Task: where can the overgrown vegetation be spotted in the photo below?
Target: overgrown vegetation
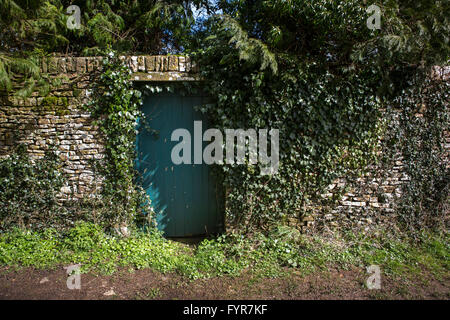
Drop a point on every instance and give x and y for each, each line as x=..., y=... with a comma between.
x=309, y=68
x=282, y=251
x=34, y=29
x=418, y=120
x=28, y=191
x=116, y=106
x=315, y=71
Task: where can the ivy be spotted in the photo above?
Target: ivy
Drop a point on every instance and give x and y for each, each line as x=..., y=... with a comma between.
x=328, y=125
x=417, y=134
x=115, y=104
x=29, y=189
x=315, y=72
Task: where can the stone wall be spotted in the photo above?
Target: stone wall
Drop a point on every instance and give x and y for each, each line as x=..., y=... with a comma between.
x=59, y=119
x=371, y=199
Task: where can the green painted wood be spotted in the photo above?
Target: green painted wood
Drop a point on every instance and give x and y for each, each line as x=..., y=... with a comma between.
x=186, y=198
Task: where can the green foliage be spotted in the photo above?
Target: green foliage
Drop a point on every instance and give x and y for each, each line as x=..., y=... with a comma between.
x=84, y=237
x=399, y=256
x=213, y=259
x=315, y=71
x=310, y=68
x=416, y=132
x=29, y=29
x=24, y=248
x=28, y=190
x=34, y=29
x=115, y=104
x=327, y=116
x=133, y=26
x=233, y=254
x=141, y=26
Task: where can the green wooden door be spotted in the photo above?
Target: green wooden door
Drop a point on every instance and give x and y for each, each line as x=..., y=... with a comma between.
x=186, y=197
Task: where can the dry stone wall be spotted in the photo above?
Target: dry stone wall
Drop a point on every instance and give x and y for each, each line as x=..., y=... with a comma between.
x=58, y=119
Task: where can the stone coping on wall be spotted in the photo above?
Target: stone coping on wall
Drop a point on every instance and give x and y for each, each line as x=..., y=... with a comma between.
x=143, y=67
x=156, y=67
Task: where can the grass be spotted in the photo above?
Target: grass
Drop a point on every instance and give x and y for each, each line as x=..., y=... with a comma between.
x=272, y=255
x=152, y=293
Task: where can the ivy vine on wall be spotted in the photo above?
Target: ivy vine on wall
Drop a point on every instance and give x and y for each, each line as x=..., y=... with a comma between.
x=329, y=128
x=115, y=104
x=28, y=191
x=417, y=124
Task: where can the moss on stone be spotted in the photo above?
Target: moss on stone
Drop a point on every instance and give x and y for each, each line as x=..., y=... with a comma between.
x=76, y=92
x=56, y=104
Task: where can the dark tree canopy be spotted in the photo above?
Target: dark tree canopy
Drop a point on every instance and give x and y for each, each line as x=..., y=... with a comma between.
x=413, y=33
x=31, y=29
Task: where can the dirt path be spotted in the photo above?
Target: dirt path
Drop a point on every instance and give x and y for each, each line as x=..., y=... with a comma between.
x=145, y=284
